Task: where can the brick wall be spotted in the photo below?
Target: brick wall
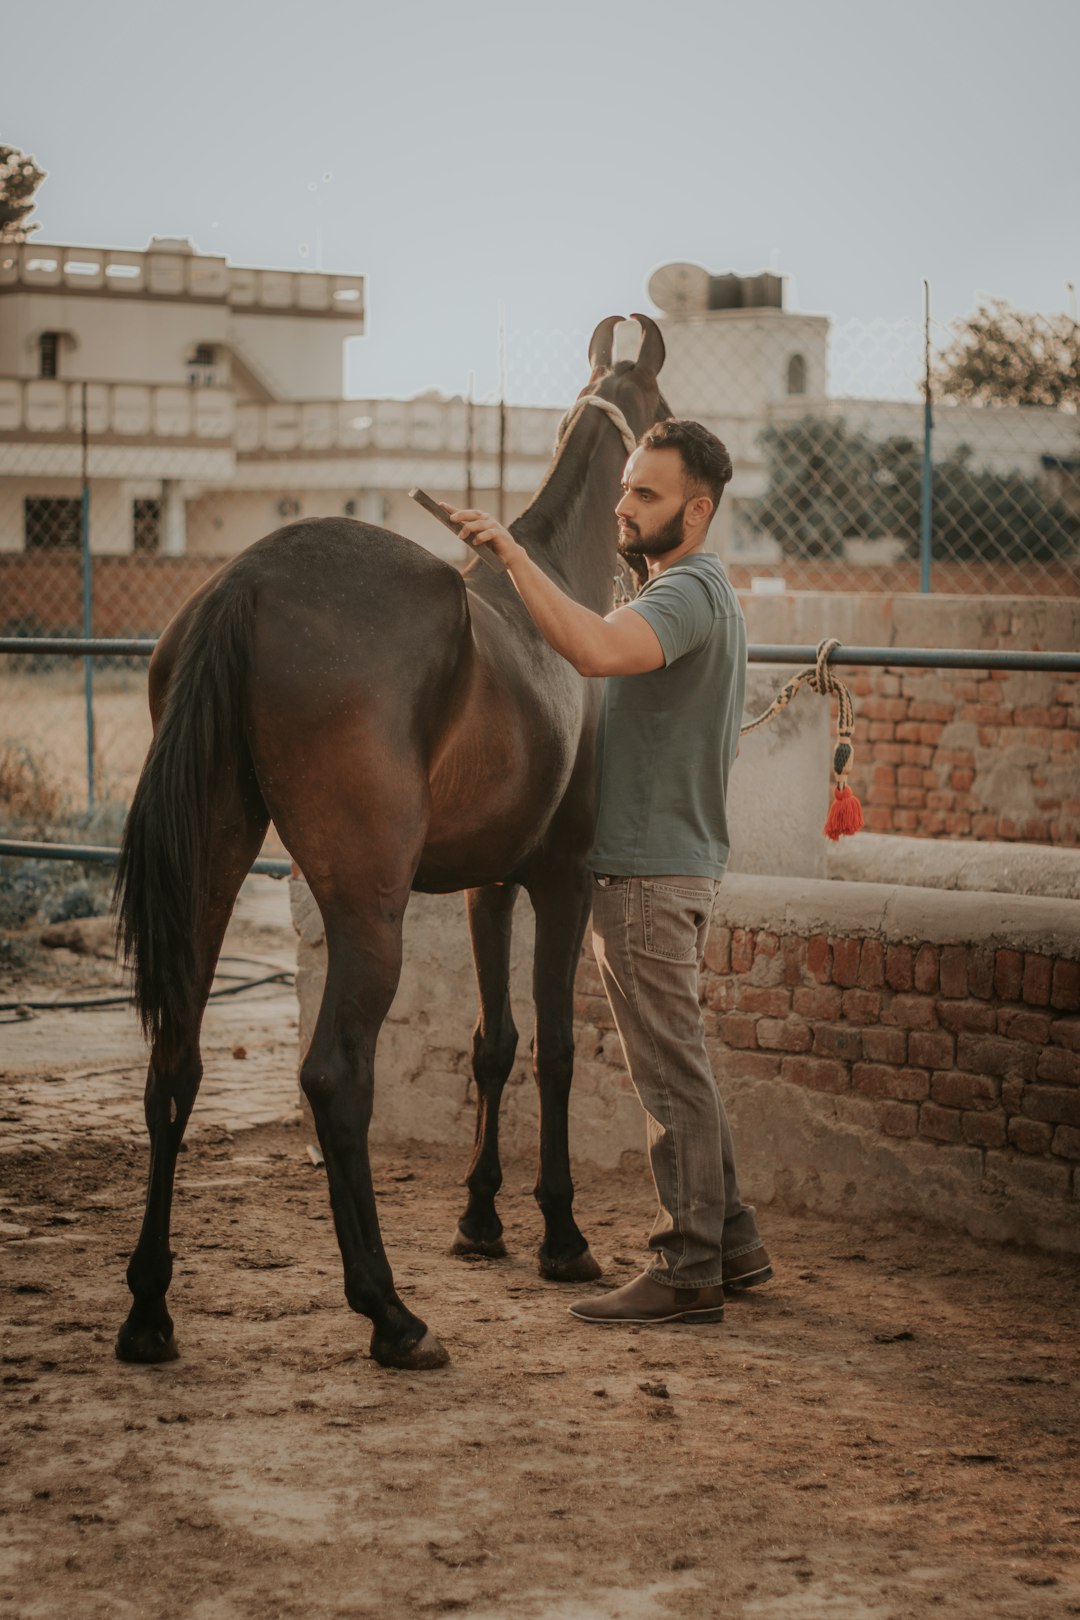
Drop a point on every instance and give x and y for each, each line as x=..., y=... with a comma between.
x=965, y=1050
x=132, y=596
x=952, y=754
x=982, y=755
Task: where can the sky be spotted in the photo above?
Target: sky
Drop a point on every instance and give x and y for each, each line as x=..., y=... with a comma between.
x=548, y=157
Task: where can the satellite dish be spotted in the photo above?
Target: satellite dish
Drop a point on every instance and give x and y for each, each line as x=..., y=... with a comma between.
x=679, y=289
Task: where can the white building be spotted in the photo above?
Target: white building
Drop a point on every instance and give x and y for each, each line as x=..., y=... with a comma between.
x=212, y=397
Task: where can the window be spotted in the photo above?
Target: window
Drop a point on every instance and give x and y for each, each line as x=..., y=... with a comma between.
x=146, y=525
x=51, y=523
x=201, y=364
x=49, y=354
x=796, y=375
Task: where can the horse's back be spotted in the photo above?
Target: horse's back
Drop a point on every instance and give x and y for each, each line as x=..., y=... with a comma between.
x=334, y=602
x=347, y=614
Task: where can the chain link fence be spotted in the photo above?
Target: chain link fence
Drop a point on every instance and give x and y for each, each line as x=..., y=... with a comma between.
x=117, y=501
x=844, y=481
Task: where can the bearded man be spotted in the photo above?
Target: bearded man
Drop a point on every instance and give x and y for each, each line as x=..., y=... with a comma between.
x=674, y=662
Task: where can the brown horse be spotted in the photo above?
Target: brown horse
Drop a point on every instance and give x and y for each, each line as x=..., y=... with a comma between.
x=405, y=727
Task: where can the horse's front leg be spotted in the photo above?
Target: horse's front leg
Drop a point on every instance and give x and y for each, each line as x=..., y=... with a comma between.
x=561, y=903
x=494, y=1044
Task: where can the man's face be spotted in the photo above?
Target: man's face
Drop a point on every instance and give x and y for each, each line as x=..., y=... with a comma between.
x=654, y=500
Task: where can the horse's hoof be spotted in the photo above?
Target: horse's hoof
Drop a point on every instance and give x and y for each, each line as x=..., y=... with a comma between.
x=423, y=1357
x=146, y=1346
x=583, y=1268
x=492, y=1248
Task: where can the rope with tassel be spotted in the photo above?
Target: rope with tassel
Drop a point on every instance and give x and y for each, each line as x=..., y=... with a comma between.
x=845, y=813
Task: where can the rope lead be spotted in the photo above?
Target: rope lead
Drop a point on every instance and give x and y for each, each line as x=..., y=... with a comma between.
x=845, y=812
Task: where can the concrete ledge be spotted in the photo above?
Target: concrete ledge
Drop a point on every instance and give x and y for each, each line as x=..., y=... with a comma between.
x=805, y=906
x=954, y=864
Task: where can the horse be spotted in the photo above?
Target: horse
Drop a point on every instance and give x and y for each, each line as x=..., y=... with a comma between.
x=405, y=727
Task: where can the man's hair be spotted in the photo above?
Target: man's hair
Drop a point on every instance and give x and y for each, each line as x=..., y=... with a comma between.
x=706, y=463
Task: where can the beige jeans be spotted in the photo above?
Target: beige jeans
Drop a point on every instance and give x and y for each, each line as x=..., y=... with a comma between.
x=649, y=940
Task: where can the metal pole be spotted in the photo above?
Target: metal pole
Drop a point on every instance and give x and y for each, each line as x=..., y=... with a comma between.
x=470, y=438
x=1065, y=663
x=502, y=413
x=104, y=854
x=926, y=515
x=87, y=607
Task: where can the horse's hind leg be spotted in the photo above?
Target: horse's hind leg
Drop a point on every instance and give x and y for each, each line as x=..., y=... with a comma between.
x=494, y=1043
x=561, y=903
x=172, y=1083
x=362, y=916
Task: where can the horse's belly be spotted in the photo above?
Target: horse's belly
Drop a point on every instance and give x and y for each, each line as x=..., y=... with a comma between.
x=492, y=800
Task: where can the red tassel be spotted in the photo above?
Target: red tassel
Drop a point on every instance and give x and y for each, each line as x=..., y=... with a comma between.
x=845, y=814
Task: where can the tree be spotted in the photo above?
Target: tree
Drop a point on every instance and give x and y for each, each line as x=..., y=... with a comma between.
x=827, y=483
x=19, y=179
x=820, y=486
x=1005, y=356
x=978, y=514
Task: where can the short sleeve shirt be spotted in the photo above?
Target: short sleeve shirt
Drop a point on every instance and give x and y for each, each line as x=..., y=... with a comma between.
x=667, y=738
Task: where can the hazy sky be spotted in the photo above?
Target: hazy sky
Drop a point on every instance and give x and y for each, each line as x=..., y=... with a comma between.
x=551, y=155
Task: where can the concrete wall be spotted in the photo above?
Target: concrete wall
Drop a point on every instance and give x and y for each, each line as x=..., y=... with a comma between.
x=883, y=1054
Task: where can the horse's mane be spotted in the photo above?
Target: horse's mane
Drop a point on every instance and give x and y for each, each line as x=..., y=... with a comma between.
x=553, y=509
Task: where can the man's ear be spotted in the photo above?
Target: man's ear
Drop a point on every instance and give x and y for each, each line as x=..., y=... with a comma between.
x=701, y=510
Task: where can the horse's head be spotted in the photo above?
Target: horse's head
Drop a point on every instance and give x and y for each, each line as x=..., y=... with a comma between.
x=630, y=385
x=573, y=513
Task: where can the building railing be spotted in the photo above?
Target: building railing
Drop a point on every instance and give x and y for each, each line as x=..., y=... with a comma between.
x=160, y=273
x=415, y=425
x=53, y=409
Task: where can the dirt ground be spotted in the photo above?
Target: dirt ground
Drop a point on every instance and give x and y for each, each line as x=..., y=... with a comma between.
x=889, y=1429
x=46, y=713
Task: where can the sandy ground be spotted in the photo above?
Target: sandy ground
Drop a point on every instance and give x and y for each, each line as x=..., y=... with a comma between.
x=889, y=1429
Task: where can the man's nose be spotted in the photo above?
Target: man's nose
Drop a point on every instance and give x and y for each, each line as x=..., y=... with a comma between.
x=625, y=506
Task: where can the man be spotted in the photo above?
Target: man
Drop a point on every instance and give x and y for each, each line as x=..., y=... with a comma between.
x=675, y=662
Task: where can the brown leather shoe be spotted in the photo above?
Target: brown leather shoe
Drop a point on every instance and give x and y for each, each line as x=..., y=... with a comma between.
x=645, y=1300
x=747, y=1271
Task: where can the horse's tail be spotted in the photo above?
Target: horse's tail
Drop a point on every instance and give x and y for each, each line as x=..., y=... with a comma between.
x=200, y=747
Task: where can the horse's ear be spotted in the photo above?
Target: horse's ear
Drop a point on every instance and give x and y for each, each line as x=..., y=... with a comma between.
x=601, y=343
x=652, y=353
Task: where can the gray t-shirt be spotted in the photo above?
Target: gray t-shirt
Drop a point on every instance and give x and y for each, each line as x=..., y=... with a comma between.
x=667, y=739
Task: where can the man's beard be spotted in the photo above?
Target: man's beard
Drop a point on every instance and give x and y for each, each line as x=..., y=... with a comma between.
x=669, y=538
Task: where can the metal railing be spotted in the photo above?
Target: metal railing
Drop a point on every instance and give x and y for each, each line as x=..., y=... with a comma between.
x=757, y=653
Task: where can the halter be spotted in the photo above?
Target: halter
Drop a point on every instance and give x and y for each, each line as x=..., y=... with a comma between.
x=612, y=412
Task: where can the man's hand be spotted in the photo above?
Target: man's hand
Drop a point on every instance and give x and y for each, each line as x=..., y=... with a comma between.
x=484, y=530
x=624, y=643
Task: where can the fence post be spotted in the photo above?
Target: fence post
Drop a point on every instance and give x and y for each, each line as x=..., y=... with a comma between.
x=501, y=512
x=926, y=514
x=87, y=606
x=470, y=430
